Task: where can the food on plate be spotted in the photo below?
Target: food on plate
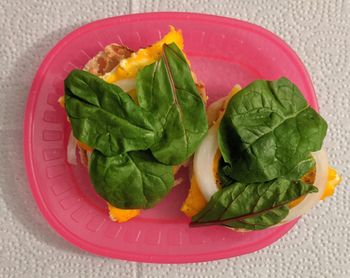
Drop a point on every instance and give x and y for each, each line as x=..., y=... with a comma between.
x=262, y=163
x=136, y=117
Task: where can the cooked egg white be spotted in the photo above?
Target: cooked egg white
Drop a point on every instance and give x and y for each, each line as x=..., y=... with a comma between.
x=204, y=181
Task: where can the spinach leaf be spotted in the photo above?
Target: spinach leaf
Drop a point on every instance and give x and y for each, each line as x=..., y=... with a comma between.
x=167, y=90
x=225, y=173
x=106, y=118
x=134, y=180
x=263, y=220
x=268, y=130
x=301, y=168
x=252, y=205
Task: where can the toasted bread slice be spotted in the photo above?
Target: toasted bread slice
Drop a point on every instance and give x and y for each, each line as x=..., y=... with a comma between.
x=107, y=59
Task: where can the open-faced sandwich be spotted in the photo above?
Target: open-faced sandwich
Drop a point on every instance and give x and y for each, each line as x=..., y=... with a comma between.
x=136, y=117
x=262, y=163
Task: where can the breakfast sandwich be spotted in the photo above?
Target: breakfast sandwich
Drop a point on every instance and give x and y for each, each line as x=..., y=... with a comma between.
x=136, y=117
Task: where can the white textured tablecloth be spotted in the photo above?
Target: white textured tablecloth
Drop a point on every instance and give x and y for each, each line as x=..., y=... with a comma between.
x=319, y=246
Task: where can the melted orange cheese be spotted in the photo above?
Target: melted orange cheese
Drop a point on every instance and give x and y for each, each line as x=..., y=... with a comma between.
x=333, y=180
x=307, y=178
x=133, y=95
x=84, y=146
x=220, y=113
x=195, y=200
x=122, y=215
x=129, y=67
x=61, y=101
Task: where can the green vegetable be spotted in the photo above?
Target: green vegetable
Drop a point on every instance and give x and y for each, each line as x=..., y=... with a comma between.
x=132, y=144
x=263, y=220
x=226, y=177
x=167, y=90
x=225, y=173
x=265, y=138
x=106, y=118
x=268, y=131
x=301, y=168
x=131, y=180
x=252, y=206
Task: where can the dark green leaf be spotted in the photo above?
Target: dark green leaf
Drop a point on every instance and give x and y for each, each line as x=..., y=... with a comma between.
x=167, y=90
x=106, y=118
x=225, y=173
x=300, y=169
x=268, y=130
x=253, y=205
x=263, y=220
x=130, y=181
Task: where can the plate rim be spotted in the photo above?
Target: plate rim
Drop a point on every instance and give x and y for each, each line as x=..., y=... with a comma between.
x=55, y=224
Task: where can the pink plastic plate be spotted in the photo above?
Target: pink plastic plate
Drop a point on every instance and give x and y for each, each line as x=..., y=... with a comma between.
x=223, y=52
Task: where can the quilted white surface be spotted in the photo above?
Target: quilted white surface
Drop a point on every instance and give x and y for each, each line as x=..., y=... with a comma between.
x=319, y=246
